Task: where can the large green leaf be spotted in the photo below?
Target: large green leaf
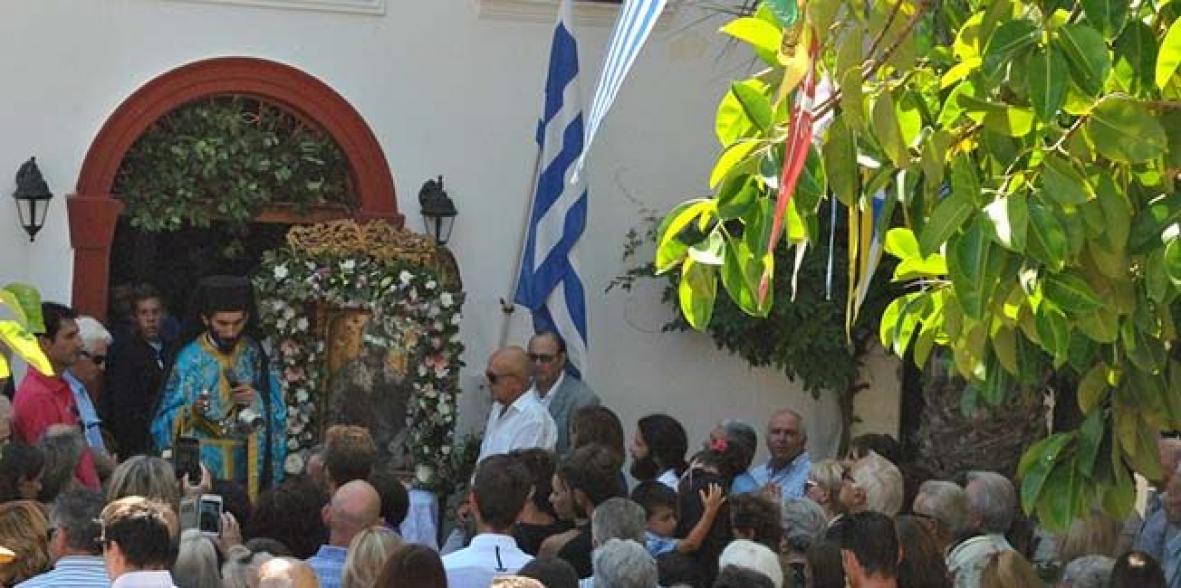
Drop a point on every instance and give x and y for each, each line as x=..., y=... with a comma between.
x=1006, y=41
x=1090, y=438
x=1062, y=182
x=1058, y=504
x=1047, y=75
x=697, y=292
x=1093, y=388
x=975, y=264
x=9, y=304
x=888, y=132
x=1053, y=330
x=761, y=35
x=740, y=278
x=840, y=162
x=1036, y=465
x=1071, y=293
x=848, y=75
x=1086, y=51
x=1135, y=56
x=29, y=301
x=1010, y=121
x=1169, y=57
x=737, y=197
x=25, y=345
x=669, y=248
x=1010, y=221
x=1124, y=130
x=1117, y=215
x=755, y=103
x=944, y=221
x=1047, y=239
x=1151, y=221
x=1108, y=15
x=732, y=122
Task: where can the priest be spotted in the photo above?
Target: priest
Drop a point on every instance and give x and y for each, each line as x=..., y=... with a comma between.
x=221, y=390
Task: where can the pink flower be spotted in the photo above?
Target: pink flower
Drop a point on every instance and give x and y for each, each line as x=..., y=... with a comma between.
x=289, y=347
x=436, y=361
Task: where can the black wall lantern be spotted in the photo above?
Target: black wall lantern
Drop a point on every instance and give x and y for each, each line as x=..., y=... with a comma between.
x=438, y=211
x=32, y=197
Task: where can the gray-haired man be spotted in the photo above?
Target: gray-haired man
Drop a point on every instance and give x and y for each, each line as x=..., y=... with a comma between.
x=78, y=560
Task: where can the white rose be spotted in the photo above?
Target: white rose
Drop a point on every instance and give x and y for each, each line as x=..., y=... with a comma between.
x=455, y=319
x=281, y=324
x=293, y=464
x=405, y=277
x=281, y=272
x=430, y=285
x=444, y=408
x=446, y=449
x=301, y=324
x=424, y=474
x=292, y=444
x=301, y=397
x=446, y=299
x=288, y=313
x=348, y=265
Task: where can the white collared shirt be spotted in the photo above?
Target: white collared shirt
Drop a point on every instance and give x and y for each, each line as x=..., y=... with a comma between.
x=669, y=478
x=524, y=424
x=553, y=390
x=145, y=579
x=489, y=555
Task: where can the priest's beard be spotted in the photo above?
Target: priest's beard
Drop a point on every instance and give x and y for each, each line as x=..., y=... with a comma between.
x=645, y=468
x=223, y=345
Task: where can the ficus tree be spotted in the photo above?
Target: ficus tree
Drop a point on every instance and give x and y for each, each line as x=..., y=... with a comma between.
x=1019, y=158
x=20, y=316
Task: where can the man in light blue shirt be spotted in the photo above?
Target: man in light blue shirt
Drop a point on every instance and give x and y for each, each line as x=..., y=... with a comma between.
x=78, y=560
x=499, y=491
x=86, y=376
x=788, y=467
x=355, y=507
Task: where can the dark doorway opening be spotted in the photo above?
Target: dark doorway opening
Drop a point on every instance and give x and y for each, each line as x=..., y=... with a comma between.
x=175, y=261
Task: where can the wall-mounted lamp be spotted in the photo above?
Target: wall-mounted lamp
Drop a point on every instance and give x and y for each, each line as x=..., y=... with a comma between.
x=438, y=210
x=32, y=197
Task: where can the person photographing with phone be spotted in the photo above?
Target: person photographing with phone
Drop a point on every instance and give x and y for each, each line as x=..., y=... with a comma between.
x=221, y=392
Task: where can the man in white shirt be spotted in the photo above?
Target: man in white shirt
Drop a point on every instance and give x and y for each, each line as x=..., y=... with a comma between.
x=501, y=487
x=136, y=539
x=518, y=420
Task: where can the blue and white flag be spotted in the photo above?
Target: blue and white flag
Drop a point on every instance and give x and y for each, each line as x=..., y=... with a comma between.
x=549, y=284
x=637, y=18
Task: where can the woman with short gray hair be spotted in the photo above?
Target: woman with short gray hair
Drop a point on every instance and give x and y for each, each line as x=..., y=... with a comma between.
x=624, y=564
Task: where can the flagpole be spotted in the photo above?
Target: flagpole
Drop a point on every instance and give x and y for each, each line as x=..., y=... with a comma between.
x=507, y=305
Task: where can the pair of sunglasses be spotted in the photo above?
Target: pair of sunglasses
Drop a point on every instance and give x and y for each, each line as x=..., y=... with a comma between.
x=98, y=360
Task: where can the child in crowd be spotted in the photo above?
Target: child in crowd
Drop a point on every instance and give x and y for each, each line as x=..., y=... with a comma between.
x=660, y=508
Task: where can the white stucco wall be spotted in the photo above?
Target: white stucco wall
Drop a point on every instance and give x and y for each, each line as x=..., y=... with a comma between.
x=448, y=92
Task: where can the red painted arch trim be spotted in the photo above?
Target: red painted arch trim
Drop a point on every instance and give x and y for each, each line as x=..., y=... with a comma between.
x=91, y=234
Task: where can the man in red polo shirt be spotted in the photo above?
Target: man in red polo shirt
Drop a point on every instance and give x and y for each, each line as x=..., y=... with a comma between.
x=41, y=400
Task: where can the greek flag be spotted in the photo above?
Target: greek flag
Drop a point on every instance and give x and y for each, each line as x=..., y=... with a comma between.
x=637, y=18
x=549, y=284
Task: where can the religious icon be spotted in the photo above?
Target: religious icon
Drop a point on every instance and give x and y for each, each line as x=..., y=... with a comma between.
x=367, y=385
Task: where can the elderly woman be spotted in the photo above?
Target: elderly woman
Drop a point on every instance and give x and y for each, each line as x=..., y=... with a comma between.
x=824, y=485
x=197, y=563
x=622, y=563
x=804, y=523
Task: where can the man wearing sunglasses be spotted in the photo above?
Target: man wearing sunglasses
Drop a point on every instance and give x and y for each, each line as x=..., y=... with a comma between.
x=85, y=378
x=518, y=420
x=561, y=393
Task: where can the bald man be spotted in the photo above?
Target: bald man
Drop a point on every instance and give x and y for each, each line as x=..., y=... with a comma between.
x=355, y=507
x=518, y=419
x=286, y=572
x=787, y=442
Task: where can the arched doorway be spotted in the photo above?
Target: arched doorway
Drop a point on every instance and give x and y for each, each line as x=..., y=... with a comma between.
x=93, y=210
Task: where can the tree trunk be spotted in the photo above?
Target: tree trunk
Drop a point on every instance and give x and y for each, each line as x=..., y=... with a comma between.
x=990, y=438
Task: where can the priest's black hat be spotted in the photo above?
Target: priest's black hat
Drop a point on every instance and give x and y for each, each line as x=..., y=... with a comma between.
x=223, y=294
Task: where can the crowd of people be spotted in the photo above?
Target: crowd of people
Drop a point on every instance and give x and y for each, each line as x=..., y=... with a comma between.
x=93, y=492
